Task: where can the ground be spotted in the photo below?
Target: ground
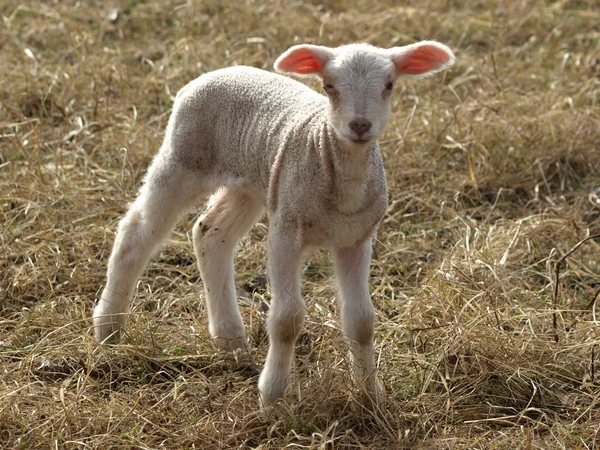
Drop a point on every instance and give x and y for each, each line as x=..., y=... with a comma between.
x=493, y=169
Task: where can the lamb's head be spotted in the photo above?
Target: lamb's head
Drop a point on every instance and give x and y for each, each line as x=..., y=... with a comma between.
x=359, y=80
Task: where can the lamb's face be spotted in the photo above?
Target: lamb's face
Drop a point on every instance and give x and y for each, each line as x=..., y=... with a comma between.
x=359, y=85
x=359, y=80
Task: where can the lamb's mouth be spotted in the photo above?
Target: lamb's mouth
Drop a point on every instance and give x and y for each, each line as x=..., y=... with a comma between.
x=360, y=139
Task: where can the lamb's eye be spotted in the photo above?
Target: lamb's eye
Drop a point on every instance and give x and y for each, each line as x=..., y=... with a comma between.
x=329, y=89
x=389, y=86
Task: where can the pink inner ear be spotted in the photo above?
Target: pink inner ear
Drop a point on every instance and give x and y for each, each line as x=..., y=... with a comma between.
x=422, y=60
x=302, y=61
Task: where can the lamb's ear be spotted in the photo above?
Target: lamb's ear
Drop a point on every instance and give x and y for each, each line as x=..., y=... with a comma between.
x=304, y=60
x=421, y=59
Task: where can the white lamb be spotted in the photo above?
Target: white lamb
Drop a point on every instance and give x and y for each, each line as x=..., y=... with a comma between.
x=264, y=141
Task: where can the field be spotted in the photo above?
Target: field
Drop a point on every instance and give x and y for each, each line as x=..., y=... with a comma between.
x=494, y=176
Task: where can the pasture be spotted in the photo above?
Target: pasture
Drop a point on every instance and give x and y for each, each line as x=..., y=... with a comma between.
x=488, y=325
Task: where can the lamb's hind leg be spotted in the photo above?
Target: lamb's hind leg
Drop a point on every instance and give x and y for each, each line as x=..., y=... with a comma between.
x=230, y=215
x=167, y=192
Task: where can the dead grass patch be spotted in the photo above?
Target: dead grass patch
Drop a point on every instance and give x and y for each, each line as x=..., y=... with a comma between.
x=490, y=168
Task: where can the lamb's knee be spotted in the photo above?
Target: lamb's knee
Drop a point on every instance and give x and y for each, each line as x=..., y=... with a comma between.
x=208, y=239
x=129, y=226
x=360, y=326
x=137, y=233
x=284, y=325
x=131, y=242
x=200, y=229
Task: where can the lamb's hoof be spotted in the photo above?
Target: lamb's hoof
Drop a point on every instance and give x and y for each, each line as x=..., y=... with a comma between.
x=268, y=400
x=230, y=344
x=374, y=396
x=269, y=392
x=106, y=331
x=107, y=327
x=228, y=335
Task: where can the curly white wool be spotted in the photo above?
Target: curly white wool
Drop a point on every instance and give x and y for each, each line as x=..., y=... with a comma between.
x=256, y=141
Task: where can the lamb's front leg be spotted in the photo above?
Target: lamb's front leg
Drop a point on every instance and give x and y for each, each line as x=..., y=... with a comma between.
x=286, y=315
x=358, y=316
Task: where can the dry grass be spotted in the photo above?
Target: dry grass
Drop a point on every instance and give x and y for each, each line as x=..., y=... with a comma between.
x=491, y=169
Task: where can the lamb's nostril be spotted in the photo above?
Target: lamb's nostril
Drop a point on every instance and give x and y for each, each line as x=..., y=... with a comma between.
x=360, y=126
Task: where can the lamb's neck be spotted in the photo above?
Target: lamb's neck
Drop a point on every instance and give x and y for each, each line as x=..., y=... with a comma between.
x=350, y=167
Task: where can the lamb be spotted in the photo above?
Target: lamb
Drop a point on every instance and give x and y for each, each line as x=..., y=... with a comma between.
x=257, y=140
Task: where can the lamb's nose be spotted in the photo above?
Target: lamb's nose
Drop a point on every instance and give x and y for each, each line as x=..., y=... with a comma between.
x=360, y=126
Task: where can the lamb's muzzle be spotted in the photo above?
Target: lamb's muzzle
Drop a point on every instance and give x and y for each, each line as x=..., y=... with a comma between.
x=256, y=141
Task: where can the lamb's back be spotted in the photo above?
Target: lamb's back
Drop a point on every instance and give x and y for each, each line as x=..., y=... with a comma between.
x=235, y=120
